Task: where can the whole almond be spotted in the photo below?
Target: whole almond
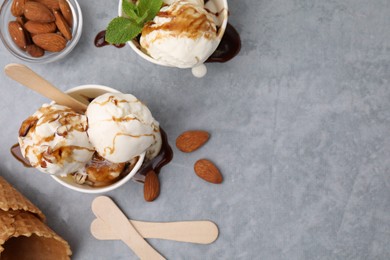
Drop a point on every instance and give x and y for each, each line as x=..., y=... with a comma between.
x=151, y=186
x=17, y=34
x=17, y=7
x=38, y=12
x=38, y=28
x=35, y=51
x=206, y=170
x=189, y=141
x=50, y=42
x=51, y=4
x=62, y=26
x=66, y=11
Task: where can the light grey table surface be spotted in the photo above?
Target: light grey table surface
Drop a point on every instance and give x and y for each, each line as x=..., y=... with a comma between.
x=299, y=123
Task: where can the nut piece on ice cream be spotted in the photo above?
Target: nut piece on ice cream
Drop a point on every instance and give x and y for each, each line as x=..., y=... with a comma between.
x=182, y=34
x=55, y=141
x=121, y=127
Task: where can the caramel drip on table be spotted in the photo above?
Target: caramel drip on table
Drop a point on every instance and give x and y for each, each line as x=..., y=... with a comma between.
x=163, y=158
x=100, y=41
x=17, y=153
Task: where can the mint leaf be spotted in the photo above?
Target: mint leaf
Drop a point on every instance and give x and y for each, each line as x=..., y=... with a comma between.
x=149, y=7
x=141, y=19
x=130, y=9
x=121, y=30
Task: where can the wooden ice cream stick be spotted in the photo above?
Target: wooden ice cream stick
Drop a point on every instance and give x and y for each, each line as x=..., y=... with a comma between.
x=201, y=232
x=108, y=212
x=30, y=79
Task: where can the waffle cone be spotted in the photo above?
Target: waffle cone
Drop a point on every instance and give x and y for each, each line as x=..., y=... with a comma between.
x=11, y=199
x=23, y=235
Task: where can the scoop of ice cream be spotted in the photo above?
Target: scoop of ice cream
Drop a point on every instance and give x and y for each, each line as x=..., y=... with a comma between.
x=55, y=141
x=182, y=34
x=121, y=127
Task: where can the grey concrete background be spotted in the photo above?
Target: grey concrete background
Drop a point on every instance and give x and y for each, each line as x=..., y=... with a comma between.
x=299, y=123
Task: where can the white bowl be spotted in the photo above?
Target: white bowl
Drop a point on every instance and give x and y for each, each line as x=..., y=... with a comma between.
x=219, y=6
x=82, y=93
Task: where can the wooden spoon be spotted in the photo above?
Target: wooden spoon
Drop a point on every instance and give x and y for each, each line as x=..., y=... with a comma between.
x=201, y=232
x=106, y=210
x=30, y=79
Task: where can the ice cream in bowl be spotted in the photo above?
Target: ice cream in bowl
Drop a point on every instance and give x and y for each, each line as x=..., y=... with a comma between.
x=92, y=152
x=178, y=33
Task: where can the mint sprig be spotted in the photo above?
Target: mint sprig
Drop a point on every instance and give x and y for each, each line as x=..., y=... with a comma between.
x=123, y=29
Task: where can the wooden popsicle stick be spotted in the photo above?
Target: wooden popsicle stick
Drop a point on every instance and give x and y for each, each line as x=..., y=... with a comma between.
x=201, y=232
x=30, y=79
x=106, y=210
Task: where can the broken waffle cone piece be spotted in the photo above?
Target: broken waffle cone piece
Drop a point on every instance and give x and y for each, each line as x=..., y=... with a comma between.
x=23, y=235
x=11, y=199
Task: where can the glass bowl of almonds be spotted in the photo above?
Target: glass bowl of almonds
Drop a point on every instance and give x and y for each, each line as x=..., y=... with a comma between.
x=40, y=31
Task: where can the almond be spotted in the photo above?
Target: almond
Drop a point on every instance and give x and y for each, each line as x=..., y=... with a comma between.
x=66, y=12
x=208, y=171
x=62, y=26
x=35, y=51
x=17, y=7
x=51, y=4
x=17, y=34
x=151, y=186
x=50, y=42
x=189, y=141
x=38, y=28
x=38, y=12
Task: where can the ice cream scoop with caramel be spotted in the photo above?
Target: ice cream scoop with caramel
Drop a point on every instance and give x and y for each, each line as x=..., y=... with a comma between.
x=55, y=141
x=122, y=127
x=183, y=34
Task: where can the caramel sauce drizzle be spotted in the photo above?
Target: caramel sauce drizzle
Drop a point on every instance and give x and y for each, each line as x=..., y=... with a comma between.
x=124, y=119
x=59, y=156
x=111, y=150
x=115, y=101
x=182, y=23
x=66, y=117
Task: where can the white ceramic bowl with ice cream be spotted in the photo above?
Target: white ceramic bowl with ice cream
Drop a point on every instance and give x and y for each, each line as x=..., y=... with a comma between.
x=94, y=152
x=164, y=43
x=81, y=93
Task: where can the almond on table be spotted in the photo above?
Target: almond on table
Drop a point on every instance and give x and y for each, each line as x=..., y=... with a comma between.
x=190, y=141
x=206, y=170
x=151, y=186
